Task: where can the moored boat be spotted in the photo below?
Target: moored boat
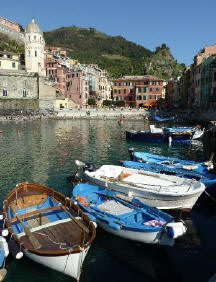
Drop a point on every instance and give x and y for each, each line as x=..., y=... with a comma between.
x=129, y=219
x=51, y=230
x=170, y=162
x=154, y=189
x=163, y=135
x=206, y=178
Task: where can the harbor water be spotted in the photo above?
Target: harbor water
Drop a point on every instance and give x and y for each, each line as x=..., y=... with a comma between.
x=45, y=151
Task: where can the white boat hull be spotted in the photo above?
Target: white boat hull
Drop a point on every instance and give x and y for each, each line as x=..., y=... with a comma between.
x=162, y=198
x=70, y=264
x=159, y=238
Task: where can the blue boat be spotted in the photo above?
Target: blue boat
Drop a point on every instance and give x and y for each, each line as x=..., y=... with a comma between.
x=185, y=165
x=163, y=135
x=130, y=219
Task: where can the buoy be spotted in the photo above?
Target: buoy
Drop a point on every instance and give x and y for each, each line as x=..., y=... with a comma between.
x=15, y=249
x=1, y=131
x=3, y=273
x=18, y=131
x=34, y=132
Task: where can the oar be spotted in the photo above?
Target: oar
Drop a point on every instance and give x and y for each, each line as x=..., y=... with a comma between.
x=82, y=226
x=34, y=241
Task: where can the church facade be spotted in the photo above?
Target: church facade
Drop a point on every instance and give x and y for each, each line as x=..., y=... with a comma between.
x=28, y=89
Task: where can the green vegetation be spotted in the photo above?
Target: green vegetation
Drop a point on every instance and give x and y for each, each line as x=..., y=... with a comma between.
x=114, y=53
x=9, y=45
x=91, y=102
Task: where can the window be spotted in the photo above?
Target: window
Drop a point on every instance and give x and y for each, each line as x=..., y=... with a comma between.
x=119, y=91
x=150, y=89
x=125, y=91
x=139, y=89
x=115, y=91
x=119, y=83
x=35, y=53
x=131, y=91
x=144, y=97
x=34, y=37
x=13, y=65
x=157, y=89
x=144, y=90
x=29, y=53
x=150, y=97
x=24, y=92
x=115, y=83
x=4, y=92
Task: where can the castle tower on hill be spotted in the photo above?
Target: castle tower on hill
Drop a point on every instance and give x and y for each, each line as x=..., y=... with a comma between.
x=34, y=49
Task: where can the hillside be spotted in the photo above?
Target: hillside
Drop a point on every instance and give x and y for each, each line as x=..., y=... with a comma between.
x=114, y=53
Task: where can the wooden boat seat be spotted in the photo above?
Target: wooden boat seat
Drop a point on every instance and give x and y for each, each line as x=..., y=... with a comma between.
x=28, y=201
x=36, y=212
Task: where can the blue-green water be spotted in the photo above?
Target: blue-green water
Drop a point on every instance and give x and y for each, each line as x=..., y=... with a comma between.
x=44, y=152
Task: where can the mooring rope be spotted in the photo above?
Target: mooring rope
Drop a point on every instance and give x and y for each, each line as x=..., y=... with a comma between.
x=210, y=196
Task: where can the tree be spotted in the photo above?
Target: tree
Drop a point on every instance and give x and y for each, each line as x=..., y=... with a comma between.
x=91, y=102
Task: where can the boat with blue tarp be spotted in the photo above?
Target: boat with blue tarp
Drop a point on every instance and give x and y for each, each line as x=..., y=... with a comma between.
x=171, y=162
x=130, y=219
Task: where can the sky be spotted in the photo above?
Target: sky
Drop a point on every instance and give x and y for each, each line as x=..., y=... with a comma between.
x=186, y=26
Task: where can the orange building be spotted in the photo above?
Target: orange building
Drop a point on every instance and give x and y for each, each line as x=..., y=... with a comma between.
x=143, y=90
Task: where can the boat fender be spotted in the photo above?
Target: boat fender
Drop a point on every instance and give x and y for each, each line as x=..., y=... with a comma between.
x=4, y=245
x=190, y=167
x=114, y=226
x=15, y=249
x=95, y=224
x=89, y=167
x=175, y=229
x=1, y=216
x=3, y=273
x=4, y=232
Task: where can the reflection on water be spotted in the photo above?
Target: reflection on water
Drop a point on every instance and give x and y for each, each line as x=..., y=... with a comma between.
x=44, y=152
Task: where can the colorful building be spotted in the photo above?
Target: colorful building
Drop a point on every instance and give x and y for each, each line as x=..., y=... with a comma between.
x=138, y=90
x=10, y=28
x=77, y=87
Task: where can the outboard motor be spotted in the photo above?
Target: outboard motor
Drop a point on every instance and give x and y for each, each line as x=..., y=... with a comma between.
x=89, y=167
x=131, y=152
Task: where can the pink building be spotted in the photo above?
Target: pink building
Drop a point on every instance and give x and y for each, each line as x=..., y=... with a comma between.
x=7, y=24
x=56, y=73
x=77, y=87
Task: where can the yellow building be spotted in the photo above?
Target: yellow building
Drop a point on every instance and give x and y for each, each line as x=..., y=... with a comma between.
x=9, y=61
x=163, y=96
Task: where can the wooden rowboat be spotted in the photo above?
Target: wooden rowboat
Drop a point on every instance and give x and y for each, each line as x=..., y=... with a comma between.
x=50, y=229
